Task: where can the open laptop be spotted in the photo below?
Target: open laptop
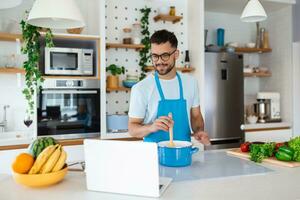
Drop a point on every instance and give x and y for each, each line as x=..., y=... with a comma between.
x=125, y=167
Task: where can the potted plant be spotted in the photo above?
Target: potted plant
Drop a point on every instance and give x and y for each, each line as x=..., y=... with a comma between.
x=113, y=79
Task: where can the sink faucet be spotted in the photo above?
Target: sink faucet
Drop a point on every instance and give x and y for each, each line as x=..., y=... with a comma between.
x=3, y=124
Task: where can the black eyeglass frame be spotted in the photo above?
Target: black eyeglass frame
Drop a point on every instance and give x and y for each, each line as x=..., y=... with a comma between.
x=161, y=56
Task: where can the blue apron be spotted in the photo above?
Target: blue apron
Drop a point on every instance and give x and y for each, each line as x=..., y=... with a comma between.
x=178, y=109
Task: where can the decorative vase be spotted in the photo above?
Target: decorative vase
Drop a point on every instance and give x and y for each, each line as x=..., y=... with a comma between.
x=112, y=81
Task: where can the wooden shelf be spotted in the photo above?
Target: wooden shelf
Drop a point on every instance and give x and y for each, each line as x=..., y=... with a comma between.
x=13, y=36
x=117, y=89
x=10, y=37
x=182, y=69
x=125, y=46
x=11, y=70
x=257, y=74
x=73, y=77
x=252, y=50
x=173, y=19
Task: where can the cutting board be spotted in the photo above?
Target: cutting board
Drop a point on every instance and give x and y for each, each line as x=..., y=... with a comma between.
x=238, y=153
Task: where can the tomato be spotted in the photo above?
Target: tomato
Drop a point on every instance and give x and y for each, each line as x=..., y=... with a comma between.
x=279, y=145
x=245, y=147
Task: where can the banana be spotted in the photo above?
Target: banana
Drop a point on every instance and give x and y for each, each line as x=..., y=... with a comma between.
x=61, y=161
x=42, y=158
x=52, y=160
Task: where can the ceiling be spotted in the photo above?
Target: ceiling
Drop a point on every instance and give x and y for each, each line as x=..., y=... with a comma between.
x=236, y=6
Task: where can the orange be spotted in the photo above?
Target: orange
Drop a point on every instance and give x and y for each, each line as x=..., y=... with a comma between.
x=23, y=163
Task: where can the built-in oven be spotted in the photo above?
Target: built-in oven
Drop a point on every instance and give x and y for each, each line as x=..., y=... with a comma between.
x=69, y=109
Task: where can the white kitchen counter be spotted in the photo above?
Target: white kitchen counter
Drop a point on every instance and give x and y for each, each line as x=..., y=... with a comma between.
x=266, y=125
x=213, y=175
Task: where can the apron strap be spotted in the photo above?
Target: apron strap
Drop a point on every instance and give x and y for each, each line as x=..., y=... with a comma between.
x=160, y=89
x=180, y=86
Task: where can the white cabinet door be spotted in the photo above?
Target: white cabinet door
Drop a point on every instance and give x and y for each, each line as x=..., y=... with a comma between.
x=269, y=136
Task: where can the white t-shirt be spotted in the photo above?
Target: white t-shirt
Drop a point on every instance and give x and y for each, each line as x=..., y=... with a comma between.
x=145, y=96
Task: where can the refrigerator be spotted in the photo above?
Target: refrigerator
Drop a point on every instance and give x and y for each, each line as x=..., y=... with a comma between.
x=224, y=99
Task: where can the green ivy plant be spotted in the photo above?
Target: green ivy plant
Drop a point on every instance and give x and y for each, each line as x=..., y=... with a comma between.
x=31, y=47
x=145, y=52
x=115, y=69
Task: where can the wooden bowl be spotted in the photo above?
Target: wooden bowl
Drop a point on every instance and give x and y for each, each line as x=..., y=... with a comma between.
x=40, y=180
x=75, y=30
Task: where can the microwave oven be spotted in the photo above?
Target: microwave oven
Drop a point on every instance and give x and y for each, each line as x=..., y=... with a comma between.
x=69, y=61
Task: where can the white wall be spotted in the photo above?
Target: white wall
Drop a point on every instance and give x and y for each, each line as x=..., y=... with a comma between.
x=11, y=94
x=280, y=60
x=296, y=88
x=89, y=10
x=296, y=71
x=235, y=30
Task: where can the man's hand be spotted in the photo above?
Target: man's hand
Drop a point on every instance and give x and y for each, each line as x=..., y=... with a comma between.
x=162, y=123
x=202, y=137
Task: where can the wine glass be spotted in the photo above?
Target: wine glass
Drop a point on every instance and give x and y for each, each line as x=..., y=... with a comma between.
x=28, y=120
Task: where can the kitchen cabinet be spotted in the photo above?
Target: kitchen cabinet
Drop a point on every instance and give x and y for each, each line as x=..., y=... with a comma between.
x=280, y=135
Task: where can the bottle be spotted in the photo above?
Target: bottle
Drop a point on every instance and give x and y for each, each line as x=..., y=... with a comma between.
x=127, y=36
x=136, y=33
x=220, y=37
x=187, y=60
x=266, y=44
x=262, y=38
x=172, y=11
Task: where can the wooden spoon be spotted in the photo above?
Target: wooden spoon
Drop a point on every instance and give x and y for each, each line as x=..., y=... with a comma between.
x=171, y=143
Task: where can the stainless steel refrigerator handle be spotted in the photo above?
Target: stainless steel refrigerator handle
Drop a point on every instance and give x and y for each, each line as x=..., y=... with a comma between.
x=69, y=92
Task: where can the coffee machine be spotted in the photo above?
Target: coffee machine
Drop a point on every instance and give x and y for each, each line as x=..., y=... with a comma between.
x=267, y=107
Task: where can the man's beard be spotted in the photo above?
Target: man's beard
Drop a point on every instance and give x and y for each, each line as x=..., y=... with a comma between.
x=164, y=71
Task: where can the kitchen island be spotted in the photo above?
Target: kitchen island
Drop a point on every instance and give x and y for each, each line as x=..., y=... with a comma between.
x=213, y=175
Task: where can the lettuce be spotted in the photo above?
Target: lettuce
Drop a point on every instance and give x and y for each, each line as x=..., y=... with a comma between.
x=295, y=145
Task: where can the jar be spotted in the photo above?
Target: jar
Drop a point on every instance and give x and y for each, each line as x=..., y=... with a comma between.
x=172, y=11
x=127, y=36
x=136, y=33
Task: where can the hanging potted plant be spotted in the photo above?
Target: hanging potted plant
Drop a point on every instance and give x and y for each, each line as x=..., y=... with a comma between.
x=113, y=79
x=145, y=52
x=33, y=77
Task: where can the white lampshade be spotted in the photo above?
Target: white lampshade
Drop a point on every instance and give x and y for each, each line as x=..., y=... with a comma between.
x=57, y=14
x=9, y=4
x=253, y=12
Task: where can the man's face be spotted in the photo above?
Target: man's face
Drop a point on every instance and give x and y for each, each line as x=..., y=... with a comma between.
x=163, y=57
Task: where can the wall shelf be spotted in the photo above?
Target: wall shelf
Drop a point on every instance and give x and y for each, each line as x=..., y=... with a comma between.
x=182, y=69
x=73, y=77
x=10, y=37
x=117, y=89
x=252, y=50
x=257, y=74
x=173, y=19
x=14, y=36
x=11, y=70
x=125, y=46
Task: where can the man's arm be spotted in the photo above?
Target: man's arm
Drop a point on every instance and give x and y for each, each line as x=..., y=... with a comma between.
x=197, y=120
x=139, y=130
x=197, y=124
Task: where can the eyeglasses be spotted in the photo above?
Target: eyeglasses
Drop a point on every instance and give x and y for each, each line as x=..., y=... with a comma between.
x=164, y=56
